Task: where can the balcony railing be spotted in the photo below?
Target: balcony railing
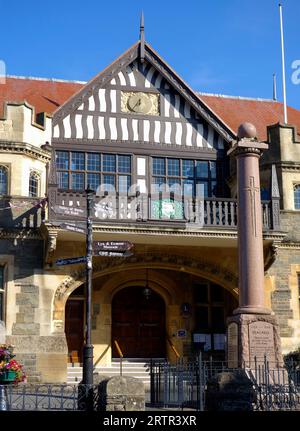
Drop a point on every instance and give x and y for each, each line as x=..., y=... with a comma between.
x=160, y=208
x=21, y=212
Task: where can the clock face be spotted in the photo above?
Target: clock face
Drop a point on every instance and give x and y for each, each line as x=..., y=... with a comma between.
x=140, y=103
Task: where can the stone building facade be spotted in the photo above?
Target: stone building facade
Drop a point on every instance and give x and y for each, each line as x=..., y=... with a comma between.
x=130, y=130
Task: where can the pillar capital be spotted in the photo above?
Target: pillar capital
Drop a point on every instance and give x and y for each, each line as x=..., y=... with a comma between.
x=247, y=146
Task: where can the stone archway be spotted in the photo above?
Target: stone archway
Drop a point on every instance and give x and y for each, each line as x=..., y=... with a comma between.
x=195, y=266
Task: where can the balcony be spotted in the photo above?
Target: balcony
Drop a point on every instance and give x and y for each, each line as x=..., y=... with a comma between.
x=21, y=212
x=165, y=209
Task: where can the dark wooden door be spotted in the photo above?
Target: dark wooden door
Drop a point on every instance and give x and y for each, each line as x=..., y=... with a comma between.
x=74, y=326
x=138, y=324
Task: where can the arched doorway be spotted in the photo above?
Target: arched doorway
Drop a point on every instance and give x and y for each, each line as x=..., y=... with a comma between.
x=138, y=323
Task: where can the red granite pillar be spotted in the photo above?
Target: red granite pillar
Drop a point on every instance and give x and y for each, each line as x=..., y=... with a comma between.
x=253, y=331
x=247, y=151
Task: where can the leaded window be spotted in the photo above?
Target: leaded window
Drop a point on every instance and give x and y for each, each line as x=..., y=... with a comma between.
x=191, y=177
x=76, y=170
x=3, y=180
x=297, y=197
x=34, y=181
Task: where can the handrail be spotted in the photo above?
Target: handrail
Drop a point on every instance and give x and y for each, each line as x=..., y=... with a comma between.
x=118, y=349
x=120, y=353
x=173, y=348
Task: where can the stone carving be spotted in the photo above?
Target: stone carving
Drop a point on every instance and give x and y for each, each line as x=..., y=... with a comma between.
x=261, y=342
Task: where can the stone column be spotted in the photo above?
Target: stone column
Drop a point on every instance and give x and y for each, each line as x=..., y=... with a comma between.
x=253, y=331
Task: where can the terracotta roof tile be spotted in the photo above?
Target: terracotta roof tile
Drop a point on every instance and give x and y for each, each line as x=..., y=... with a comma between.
x=44, y=95
x=260, y=112
x=47, y=95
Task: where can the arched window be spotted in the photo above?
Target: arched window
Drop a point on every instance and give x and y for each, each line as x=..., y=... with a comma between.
x=34, y=180
x=297, y=197
x=3, y=180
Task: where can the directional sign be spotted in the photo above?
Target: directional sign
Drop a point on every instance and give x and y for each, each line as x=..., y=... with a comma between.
x=63, y=210
x=70, y=261
x=73, y=227
x=112, y=253
x=112, y=245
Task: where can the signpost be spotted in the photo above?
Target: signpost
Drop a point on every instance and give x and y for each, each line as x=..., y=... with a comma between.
x=112, y=253
x=71, y=260
x=72, y=211
x=112, y=245
x=73, y=227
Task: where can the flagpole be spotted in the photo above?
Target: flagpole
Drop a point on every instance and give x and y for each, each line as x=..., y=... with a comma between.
x=283, y=66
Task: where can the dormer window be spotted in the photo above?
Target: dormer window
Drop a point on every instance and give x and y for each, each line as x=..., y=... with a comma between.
x=34, y=180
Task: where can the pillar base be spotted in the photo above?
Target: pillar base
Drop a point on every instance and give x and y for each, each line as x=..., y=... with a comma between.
x=251, y=338
x=252, y=310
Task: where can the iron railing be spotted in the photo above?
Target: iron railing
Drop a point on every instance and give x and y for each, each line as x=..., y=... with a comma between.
x=50, y=397
x=184, y=384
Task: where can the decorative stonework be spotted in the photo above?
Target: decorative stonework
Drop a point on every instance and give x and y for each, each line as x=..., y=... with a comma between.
x=25, y=149
x=189, y=263
x=255, y=334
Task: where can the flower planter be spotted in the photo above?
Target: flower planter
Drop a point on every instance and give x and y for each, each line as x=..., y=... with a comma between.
x=7, y=377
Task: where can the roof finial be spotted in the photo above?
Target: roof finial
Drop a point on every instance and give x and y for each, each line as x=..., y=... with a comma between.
x=142, y=39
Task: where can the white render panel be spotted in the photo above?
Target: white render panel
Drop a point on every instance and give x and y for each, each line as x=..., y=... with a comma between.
x=122, y=78
x=78, y=125
x=141, y=166
x=102, y=100
x=102, y=133
x=91, y=103
x=113, y=99
x=135, y=130
x=90, y=127
x=156, y=131
x=56, y=131
x=124, y=129
x=146, y=130
x=67, y=127
x=189, y=133
x=168, y=131
x=178, y=136
x=113, y=128
x=199, y=135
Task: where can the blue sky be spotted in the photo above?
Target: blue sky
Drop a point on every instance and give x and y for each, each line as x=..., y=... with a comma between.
x=217, y=46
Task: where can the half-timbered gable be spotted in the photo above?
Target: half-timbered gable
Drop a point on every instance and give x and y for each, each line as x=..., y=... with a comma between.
x=103, y=110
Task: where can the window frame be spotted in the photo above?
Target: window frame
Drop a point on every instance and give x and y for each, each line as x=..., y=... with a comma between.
x=7, y=169
x=296, y=186
x=194, y=179
x=38, y=187
x=116, y=174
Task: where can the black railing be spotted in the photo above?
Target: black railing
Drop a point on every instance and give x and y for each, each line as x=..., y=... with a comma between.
x=184, y=385
x=47, y=397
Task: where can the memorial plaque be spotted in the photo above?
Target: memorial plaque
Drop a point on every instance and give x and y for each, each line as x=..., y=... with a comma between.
x=232, y=345
x=261, y=342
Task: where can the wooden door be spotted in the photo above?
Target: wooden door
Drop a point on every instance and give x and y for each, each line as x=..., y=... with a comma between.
x=138, y=324
x=74, y=326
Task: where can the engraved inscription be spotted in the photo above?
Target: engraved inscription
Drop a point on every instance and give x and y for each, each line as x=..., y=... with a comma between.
x=261, y=342
x=232, y=345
